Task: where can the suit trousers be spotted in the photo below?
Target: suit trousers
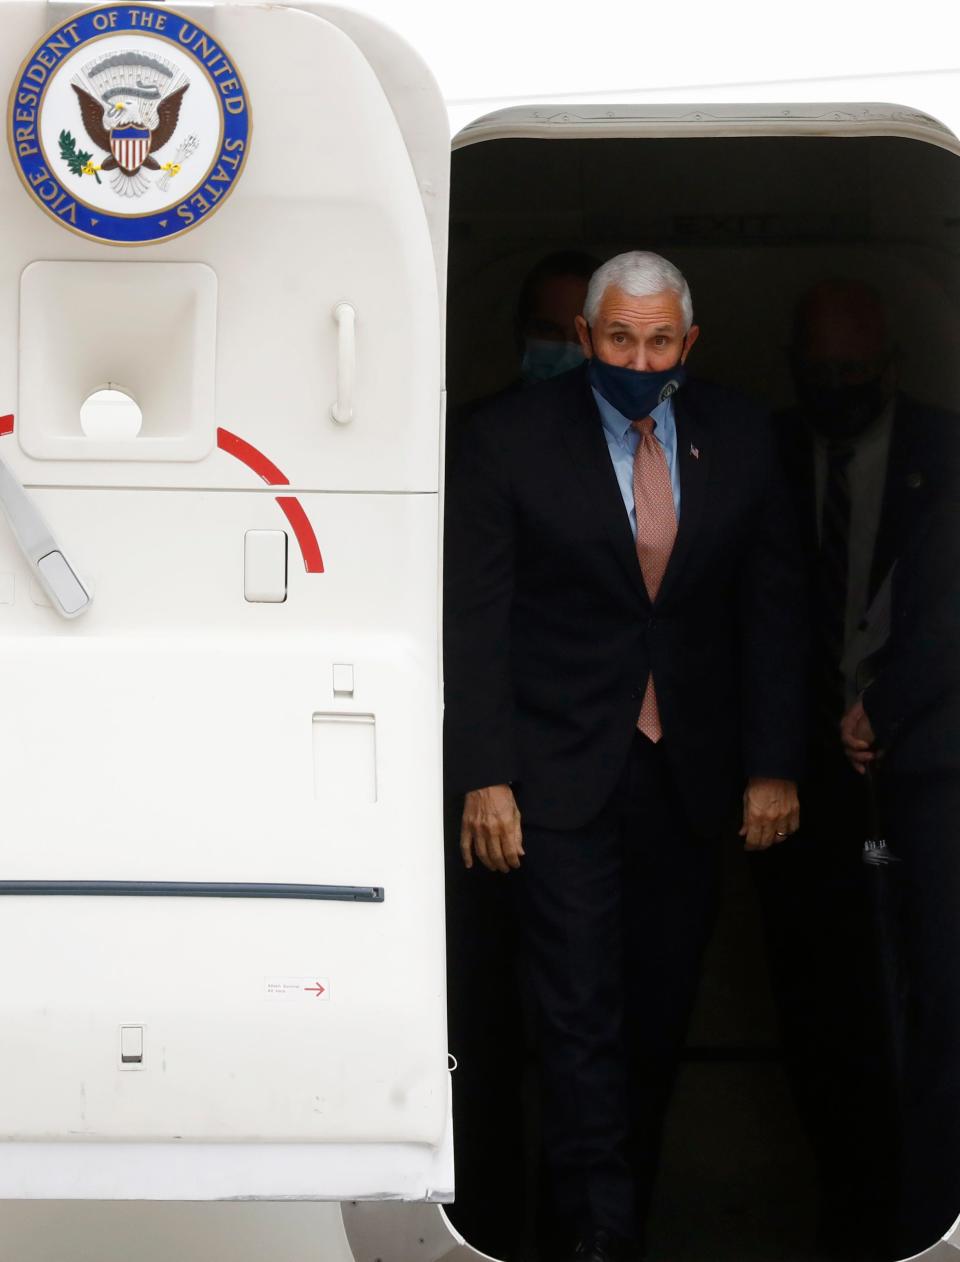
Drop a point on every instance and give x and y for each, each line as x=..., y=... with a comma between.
x=613, y=919
x=824, y=912
x=487, y=1035
x=922, y=817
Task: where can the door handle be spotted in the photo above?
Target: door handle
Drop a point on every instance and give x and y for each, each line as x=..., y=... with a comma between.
x=346, y=318
x=47, y=560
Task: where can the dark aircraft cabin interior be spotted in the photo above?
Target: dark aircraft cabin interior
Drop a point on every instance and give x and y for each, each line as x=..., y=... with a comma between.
x=784, y=1083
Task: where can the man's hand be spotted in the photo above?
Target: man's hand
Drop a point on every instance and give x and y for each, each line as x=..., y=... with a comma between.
x=771, y=812
x=491, y=829
x=858, y=737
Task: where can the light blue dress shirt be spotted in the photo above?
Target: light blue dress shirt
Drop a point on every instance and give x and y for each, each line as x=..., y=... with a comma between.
x=622, y=441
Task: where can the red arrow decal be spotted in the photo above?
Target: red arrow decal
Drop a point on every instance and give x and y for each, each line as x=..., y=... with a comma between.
x=318, y=990
x=294, y=511
x=253, y=458
x=298, y=519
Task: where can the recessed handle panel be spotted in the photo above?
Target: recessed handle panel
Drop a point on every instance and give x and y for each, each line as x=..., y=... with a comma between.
x=346, y=318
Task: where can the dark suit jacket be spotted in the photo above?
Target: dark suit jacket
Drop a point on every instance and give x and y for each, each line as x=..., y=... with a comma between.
x=913, y=702
x=923, y=477
x=550, y=635
x=923, y=462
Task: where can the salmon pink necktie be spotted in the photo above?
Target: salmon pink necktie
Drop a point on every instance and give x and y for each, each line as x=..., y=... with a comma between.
x=656, y=532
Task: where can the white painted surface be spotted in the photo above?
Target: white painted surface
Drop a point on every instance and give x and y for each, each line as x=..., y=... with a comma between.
x=152, y=327
x=265, y=566
x=180, y=732
x=328, y=209
x=345, y=758
x=41, y=557
x=62, y=583
x=180, y=721
x=111, y=413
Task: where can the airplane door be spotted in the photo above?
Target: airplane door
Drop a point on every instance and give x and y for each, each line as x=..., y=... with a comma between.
x=220, y=433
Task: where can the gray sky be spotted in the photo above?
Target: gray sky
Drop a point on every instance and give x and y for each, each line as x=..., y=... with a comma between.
x=535, y=49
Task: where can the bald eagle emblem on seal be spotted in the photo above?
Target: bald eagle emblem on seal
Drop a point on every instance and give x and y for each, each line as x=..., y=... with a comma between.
x=130, y=108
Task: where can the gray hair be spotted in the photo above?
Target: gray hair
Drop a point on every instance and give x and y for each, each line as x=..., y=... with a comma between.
x=640, y=274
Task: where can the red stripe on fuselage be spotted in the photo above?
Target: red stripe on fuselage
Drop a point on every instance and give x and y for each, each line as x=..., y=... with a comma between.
x=252, y=458
x=6, y=425
x=291, y=506
x=300, y=524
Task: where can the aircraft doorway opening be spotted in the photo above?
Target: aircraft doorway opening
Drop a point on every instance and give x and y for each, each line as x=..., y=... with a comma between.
x=781, y=1139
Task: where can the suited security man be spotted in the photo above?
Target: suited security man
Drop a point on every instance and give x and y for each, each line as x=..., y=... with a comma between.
x=865, y=463
x=904, y=731
x=624, y=644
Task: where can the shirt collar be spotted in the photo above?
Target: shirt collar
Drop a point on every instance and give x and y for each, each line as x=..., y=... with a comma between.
x=619, y=426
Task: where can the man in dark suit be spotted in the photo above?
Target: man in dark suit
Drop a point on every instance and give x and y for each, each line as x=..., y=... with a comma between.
x=865, y=463
x=904, y=732
x=624, y=643
x=487, y=1031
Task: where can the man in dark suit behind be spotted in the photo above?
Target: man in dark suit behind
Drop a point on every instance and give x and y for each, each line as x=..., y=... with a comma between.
x=624, y=647
x=864, y=463
x=904, y=732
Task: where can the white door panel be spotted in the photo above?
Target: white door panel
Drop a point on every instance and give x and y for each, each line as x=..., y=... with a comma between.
x=252, y=700
x=328, y=209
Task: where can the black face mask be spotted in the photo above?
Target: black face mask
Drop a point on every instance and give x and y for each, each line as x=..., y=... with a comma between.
x=843, y=411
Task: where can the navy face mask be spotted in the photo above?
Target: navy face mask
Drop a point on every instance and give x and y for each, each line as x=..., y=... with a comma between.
x=633, y=393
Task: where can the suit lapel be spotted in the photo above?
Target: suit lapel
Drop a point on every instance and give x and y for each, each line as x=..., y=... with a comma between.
x=587, y=447
x=905, y=492
x=693, y=463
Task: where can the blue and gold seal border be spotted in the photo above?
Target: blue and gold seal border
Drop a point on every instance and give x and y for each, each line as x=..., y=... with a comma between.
x=55, y=197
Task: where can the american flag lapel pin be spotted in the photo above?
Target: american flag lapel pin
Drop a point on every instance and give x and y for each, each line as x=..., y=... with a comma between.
x=695, y=452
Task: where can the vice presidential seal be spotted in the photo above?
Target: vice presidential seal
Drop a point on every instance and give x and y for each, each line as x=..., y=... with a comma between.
x=129, y=124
